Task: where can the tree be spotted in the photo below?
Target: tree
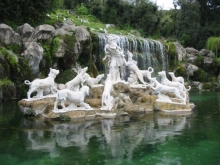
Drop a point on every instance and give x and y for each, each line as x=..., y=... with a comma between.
x=213, y=43
x=30, y=11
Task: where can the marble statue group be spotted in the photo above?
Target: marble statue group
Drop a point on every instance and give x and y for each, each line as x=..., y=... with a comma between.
x=77, y=89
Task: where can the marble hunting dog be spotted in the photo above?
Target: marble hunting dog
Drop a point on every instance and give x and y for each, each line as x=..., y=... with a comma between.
x=39, y=85
x=94, y=81
x=163, y=89
x=74, y=98
x=178, y=85
x=176, y=79
x=132, y=66
x=75, y=83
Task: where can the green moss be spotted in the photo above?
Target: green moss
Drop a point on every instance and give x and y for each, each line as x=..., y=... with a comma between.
x=217, y=60
x=8, y=62
x=46, y=62
x=199, y=75
x=202, y=75
x=181, y=70
x=65, y=76
x=24, y=73
x=93, y=70
x=14, y=48
x=30, y=113
x=12, y=61
x=207, y=86
x=171, y=54
x=64, y=118
x=5, y=71
x=55, y=45
x=199, y=61
x=70, y=56
x=8, y=88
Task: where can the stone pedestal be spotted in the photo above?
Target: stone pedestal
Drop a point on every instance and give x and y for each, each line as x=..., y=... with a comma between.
x=172, y=107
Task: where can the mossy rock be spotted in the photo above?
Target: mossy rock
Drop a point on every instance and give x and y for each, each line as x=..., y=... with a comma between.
x=199, y=61
x=181, y=70
x=7, y=90
x=207, y=86
x=65, y=76
x=170, y=49
x=5, y=63
x=199, y=75
x=70, y=56
x=17, y=49
x=217, y=87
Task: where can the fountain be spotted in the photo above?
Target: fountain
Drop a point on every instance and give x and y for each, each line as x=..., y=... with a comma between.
x=120, y=94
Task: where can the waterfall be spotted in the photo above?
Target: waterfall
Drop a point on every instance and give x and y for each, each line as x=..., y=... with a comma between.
x=148, y=53
x=160, y=51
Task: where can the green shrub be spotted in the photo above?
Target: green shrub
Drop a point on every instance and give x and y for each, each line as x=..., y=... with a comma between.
x=81, y=9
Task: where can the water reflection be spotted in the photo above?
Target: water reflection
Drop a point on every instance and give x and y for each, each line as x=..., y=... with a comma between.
x=117, y=138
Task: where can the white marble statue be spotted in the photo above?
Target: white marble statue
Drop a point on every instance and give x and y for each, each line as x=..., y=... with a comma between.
x=92, y=82
x=164, y=89
x=132, y=66
x=115, y=55
x=178, y=85
x=75, y=83
x=107, y=99
x=39, y=85
x=166, y=81
x=133, y=79
x=176, y=79
x=74, y=98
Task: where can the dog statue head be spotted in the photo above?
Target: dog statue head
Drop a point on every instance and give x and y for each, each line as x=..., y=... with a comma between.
x=162, y=73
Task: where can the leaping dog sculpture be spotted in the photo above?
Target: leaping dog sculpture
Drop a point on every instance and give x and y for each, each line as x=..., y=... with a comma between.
x=163, y=89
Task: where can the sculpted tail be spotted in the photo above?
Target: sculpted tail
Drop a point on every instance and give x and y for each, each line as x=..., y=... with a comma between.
x=188, y=88
x=27, y=82
x=150, y=69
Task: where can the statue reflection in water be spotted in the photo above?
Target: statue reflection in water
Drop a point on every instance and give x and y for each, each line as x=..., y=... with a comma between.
x=121, y=135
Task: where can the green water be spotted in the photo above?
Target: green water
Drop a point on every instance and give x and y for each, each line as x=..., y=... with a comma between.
x=153, y=139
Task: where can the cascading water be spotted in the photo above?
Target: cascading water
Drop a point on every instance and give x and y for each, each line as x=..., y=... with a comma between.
x=148, y=53
x=160, y=52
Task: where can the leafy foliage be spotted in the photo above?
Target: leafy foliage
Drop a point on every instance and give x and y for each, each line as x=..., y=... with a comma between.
x=30, y=11
x=81, y=9
x=213, y=43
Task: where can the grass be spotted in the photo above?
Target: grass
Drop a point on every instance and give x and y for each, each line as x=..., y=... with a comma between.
x=89, y=21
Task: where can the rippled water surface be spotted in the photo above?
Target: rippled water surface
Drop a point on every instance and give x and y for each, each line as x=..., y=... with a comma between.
x=153, y=139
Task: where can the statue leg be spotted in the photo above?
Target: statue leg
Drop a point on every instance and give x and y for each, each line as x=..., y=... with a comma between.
x=63, y=104
x=116, y=74
x=39, y=93
x=113, y=73
x=55, y=105
x=30, y=92
x=87, y=106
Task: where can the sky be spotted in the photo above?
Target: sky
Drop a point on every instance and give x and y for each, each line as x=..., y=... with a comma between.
x=165, y=4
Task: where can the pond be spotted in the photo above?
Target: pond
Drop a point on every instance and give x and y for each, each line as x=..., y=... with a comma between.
x=154, y=138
